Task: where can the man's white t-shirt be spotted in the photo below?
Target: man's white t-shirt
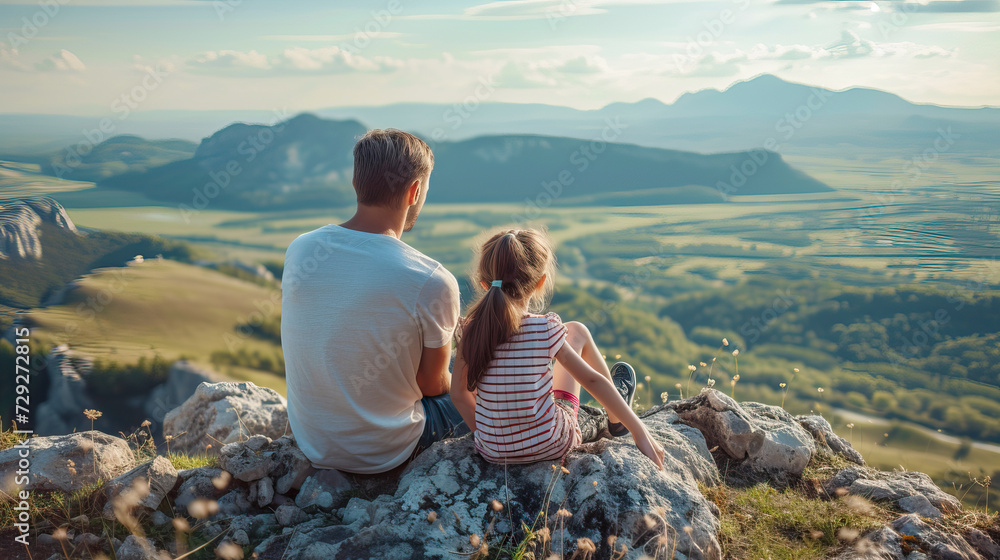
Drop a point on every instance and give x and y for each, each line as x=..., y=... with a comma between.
x=357, y=310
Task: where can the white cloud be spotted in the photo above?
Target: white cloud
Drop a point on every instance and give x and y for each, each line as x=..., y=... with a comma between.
x=361, y=35
x=553, y=10
x=231, y=59
x=717, y=63
x=9, y=58
x=62, y=61
x=961, y=26
x=327, y=60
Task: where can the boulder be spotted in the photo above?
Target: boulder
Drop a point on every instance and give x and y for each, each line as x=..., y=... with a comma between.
x=880, y=544
x=66, y=462
x=256, y=526
x=137, y=548
x=140, y=490
x=202, y=483
x=182, y=382
x=288, y=515
x=822, y=432
x=763, y=439
x=291, y=466
x=890, y=486
x=221, y=413
x=21, y=223
x=608, y=488
x=265, y=491
x=247, y=461
x=983, y=543
x=932, y=540
x=323, y=490
x=919, y=504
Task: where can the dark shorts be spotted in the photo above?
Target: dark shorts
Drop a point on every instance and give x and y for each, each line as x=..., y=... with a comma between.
x=442, y=421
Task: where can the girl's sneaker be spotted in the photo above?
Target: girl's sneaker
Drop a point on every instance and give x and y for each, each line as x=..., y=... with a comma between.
x=624, y=380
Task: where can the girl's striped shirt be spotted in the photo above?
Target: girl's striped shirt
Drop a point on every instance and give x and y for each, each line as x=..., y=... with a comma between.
x=517, y=420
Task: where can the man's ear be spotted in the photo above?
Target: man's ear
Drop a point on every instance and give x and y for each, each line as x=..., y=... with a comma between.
x=541, y=282
x=413, y=193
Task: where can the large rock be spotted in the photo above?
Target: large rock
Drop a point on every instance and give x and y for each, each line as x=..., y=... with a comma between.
x=983, y=543
x=766, y=440
x=323, y=490
x=933, y=541
x=221, y=413
x=890, y=487
x=139, y=491
x=201, y=483
x=20, y=225
x=138, y=548
x=610, y=489
x=823, y=432
x=67, y=462
x=182, y=382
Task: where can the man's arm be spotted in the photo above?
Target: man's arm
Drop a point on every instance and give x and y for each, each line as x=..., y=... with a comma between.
x=437, y=311
x=433, y=376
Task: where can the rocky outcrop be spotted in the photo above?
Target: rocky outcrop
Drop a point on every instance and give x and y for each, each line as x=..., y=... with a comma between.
x=765, y=441
x=893, y=486
x=20, y=222
x=912, y=537
x=65, y=463
x=62, y=410
x=221, y=413
x=605, y=489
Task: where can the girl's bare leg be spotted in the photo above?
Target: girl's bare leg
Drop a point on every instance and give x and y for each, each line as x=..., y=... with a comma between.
x=579, y=338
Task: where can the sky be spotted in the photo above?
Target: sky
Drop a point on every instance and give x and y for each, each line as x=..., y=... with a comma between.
x=90, y=56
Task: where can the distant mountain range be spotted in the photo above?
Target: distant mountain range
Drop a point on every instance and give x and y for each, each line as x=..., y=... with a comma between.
x=307, y=161
x=798, y=118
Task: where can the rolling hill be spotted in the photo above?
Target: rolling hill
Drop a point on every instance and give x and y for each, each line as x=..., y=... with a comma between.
x=306, y=162
x=41, y=250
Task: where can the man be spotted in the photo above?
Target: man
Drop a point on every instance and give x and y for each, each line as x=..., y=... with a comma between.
x=367, y=322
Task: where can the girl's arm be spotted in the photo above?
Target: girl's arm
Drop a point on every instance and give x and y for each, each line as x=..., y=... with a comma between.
x=463, y=399
x=601, y=388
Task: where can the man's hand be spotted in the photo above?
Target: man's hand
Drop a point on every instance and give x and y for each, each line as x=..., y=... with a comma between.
x=433, y=376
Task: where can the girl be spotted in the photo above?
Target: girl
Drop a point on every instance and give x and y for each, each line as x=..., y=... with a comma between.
x=521, y=409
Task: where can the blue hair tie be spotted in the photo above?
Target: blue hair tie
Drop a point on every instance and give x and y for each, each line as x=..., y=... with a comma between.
x=496, y=283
